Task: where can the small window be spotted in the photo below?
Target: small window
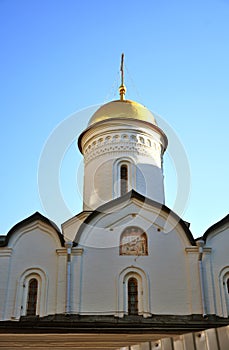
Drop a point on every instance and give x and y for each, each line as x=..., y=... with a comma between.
x=132, y=296
x=228, y=285
x=32, y=297
x=124, y=179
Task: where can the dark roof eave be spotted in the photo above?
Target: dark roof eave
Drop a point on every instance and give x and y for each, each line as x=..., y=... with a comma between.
x=109, y=324
x=214, y=227
x=128, y=196
x=34, y=217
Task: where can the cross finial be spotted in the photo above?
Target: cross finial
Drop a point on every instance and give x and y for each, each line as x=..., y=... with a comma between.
x=121, y=69
x=122, y=88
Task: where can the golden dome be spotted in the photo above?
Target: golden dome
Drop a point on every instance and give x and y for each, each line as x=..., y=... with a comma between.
x=124, y=109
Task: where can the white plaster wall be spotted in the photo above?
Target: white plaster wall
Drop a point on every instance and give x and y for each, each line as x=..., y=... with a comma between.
x=166, y=267
x=193, y=280
x=101, y=183
x=76, y=280
x=71, y=226
x=105, y=145
x=98, y=289
x=61, y=281
x=98, y=185
x=219, y=243
x=5, y=256
x=150, y=180
x=34, y=248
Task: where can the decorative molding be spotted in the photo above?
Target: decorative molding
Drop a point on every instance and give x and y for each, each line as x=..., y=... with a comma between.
x=61, y=252
x=75, y=251
x=116, y=142
x=196, y=250
x=6, y=252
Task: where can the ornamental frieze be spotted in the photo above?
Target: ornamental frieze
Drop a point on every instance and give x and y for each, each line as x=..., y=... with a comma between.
x=122, y=142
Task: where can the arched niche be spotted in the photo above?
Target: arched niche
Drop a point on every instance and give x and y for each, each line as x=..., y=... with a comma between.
x=133, y=241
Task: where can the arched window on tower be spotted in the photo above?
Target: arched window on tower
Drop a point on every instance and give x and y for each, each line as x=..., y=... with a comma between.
x=32, y=297
x=123, y=179
x=132, y=296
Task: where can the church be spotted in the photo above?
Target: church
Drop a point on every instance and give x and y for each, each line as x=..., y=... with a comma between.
x=127, y=268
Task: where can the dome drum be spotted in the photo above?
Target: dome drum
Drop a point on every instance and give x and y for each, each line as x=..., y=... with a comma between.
x=122, y=133
x=122, y=125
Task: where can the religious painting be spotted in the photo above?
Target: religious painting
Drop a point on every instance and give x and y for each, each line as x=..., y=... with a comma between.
x=133, y=241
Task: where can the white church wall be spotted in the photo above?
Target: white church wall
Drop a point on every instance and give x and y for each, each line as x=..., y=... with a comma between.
x=61, y=281
x=5, y=259
x=71, y=226
x=76, y=280
x=168, y=271
x=98, y=182
x=106, y=145
x=209, y=284
x=33, y=256
x=149, y=181
x=166, y=265
x=218, y=242
x=193, y=280
x=98, y=290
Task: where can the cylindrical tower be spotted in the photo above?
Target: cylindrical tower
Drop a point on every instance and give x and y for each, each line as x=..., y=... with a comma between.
x=123, y=149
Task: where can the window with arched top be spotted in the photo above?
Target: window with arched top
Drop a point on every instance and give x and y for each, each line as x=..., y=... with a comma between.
x=32, y=297
x=32, y=293
x=132, y=296
x=133, y=241
x=124, y=176
x=224, y=290
x=133, y=293
x=123, y=179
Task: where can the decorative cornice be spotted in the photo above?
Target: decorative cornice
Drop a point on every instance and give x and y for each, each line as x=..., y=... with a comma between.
x=6, y=252
x=196, y=250
x=118, y=142
x=77, y=251
x=74, y=252
x=129, y=123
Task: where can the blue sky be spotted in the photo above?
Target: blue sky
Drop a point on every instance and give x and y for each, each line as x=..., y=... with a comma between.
x=59, y=57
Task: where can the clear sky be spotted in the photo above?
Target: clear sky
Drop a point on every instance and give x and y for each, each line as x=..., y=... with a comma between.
x=59, y=57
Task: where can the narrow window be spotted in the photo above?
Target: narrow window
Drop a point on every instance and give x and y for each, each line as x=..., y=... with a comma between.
x=32, y=298
x=124, y=179
x=228, y=285
x=132, y=296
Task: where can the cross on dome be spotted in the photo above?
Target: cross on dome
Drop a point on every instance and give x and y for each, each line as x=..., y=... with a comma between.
x=122, y=88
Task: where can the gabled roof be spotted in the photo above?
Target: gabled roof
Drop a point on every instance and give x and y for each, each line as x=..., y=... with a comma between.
x=214, y=227
x=34, y=217
x=127, y=197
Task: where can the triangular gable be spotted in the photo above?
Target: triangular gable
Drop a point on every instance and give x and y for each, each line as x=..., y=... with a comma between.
x=216, y=227
x=120, y=203
x=34, y=217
